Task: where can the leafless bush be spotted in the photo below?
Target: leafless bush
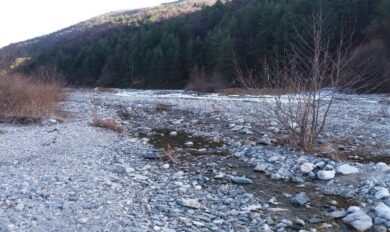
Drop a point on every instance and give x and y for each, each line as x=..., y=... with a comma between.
x=26, y=99
x=311, y=66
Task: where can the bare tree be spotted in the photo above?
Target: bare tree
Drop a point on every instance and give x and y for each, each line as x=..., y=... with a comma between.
x=315, y=61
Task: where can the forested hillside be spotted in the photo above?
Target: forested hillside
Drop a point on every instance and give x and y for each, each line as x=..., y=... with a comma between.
x=168, y=47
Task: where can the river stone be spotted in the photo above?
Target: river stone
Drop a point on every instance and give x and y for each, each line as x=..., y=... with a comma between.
x=337, y=214
x=173, y=133
x=347, y=169
x=260, y=168
x=189, y=144
x=151, y=155
x=381, y=193
x=326, y=175
x=265, y=141
x=383, y=166
x=241, y=180
x=300, y=199
x=307, y=168
x=190, y=203
x=358, y=220
x=382, y=211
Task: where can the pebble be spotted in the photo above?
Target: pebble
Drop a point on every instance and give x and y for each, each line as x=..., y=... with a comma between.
x=241, y=180
x=300, y=199
x=83, y=220
x=151, y=155
x=337, y=214
x=347, y=169
x=190, y=203
x=165, y=166
x=260, y=168
x=307, y=168
x=326, y=175
x=381, y=193
x=173, y=133
x=265, y=141
x=189, y=144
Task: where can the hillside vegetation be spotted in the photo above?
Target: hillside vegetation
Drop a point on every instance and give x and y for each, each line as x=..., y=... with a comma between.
x=175, y=45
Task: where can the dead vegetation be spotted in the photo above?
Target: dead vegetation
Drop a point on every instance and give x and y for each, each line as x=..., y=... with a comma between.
x=109, y=124
x=168, y=154
x=106, y=123
x=28, y=99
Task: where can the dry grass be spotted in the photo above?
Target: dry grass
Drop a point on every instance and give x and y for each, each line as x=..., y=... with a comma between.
x=168, y=154
x=253, y=91
x=109, y=124
x=25, y=99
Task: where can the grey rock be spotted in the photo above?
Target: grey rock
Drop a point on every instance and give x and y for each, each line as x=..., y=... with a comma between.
x=383, y=211
x=260, y=168
x=152, y=155
x=265, y=141
x=241, y=180
x=337, y=214
x=326, y=175
x=358, y=220
x=297, y=179
x=190, y=203
x=347, y=169
x=307, y=168
x=300, y=199
x=381, y=193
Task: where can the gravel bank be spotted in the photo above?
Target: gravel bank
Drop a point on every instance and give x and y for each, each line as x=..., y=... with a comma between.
x=74, y=177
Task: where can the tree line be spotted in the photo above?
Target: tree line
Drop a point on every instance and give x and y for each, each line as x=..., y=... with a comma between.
x=169, y=53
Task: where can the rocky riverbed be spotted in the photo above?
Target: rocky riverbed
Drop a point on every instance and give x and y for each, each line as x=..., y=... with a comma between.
x=194, y=162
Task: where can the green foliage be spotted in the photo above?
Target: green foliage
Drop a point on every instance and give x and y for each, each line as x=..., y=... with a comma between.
x=148, y=52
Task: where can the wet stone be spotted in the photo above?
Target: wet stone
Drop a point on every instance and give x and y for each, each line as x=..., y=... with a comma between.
x=151, y=155
x=300, y=199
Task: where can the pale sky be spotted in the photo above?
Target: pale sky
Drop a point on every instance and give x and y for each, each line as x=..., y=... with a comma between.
x=25, y=19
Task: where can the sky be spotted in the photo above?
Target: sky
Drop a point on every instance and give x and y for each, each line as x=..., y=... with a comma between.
x=25, y=19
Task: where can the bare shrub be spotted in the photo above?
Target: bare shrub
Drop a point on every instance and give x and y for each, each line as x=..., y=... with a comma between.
x=24, y=99
x=311, y=66
x=110, y=124
x=168, y=153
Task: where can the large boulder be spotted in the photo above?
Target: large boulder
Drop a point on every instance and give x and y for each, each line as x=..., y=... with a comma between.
x=359, y=220
x=382, y=211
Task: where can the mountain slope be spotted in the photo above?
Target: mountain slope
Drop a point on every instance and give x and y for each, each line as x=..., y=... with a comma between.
x=96, y=25
x=188, y=42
